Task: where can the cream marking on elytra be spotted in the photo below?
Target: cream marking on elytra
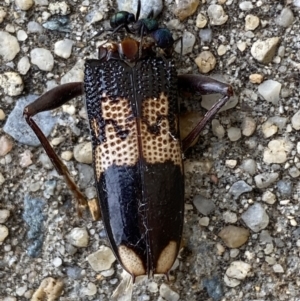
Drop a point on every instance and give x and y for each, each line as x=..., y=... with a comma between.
x=117, y=149
x=161, y=146
x=131, y=261
x=166, y=258
x=156, y=147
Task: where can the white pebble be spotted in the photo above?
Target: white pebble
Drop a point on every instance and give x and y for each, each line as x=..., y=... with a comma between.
x=296, y=121
x=234, y=133
x=9, y=46
x=78, y=237
x=57, y=262
x=264, y=50
x=12, y=83
x=277, y=268
x=63, y=48
x=4, y=215
x=201, y=21
x=269, y=197
x=238, y=270
x=205, y=61
x=23, y=65
x=102, y=259
x=277, y=151
x=24, y=4
x=67, y=155
x=168, y=294
x=269, y=129
x=83, y=152
x=59, y=8
x=3, y=232
x=90, y=290
x=216, y=14
x=251, y=22
x=2, y=14
x=270, y=91
x=246, y=5
x=42, y=58
x=286, y=17
x=22, y=35
x=248, y=126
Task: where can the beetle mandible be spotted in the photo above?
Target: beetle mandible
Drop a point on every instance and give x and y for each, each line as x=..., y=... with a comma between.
x=132, y=103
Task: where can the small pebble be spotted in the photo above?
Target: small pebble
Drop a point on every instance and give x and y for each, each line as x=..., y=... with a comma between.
x=264, y=51
x=205, y=61
x=214, y=287
x=168, y=294
x=241, y=46
x=255, y=217
x=249, y=166
x=234, y=134
x=296, y=120
x=59, y=8
x=185, y=9
x=285, y=187
x=238, y=270
x=3, y=233
x=277, y=268
x=269, y=197
x=42, y=58
x=102, y=259
x=6, y=145
x=201, y=21
x=83, y=153
x=50, y=289
x=24, y=4
x=67, y=155
x=205, y=35
x=270, y=91
x=233, y=253
x=251, y=22
x=89, y=290
x=294, y=172
x=204, y=221
x=234, y=237
x=22, y=35
x=248, y=126
x=269, y=129
x=2, y=14
x=229, y=217
x=245, y=5
x=25, y=158
x=222, y=49
x=2, y=115
x=4, y=215
x=239, y=188
x=203, y=205
x=218, y=129
x=63, y=48
x=23, y=65
x=57, y=262
x=9, y=46
x=11, y=83
x=265, y=179
x=286, y=17
x=277, y=151
x=216, y=14
x=256, y=78
x=78, y=237
x=231, y=163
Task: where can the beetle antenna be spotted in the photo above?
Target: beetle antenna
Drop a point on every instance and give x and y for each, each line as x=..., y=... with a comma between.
x=138, y=11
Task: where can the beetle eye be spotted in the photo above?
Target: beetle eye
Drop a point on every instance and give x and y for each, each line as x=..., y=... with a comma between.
x=131, y=18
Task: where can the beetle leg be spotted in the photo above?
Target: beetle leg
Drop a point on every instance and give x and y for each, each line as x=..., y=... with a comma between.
x=203, y=85
x=49, y=101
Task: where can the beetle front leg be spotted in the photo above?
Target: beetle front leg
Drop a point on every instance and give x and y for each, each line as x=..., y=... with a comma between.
x=49, y=101
x=203, y=85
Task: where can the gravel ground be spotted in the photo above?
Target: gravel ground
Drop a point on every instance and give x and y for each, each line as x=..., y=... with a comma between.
x=241, y=234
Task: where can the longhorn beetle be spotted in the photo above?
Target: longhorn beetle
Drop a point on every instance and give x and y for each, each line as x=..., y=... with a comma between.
x=132, y=104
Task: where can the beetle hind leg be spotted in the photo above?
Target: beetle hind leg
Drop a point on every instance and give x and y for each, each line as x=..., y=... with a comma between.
x=48, y=101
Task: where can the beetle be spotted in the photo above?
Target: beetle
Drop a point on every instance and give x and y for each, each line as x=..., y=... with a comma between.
x=132, y=104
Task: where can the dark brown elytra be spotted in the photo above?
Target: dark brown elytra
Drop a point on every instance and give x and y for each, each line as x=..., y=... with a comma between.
x=132, y=104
